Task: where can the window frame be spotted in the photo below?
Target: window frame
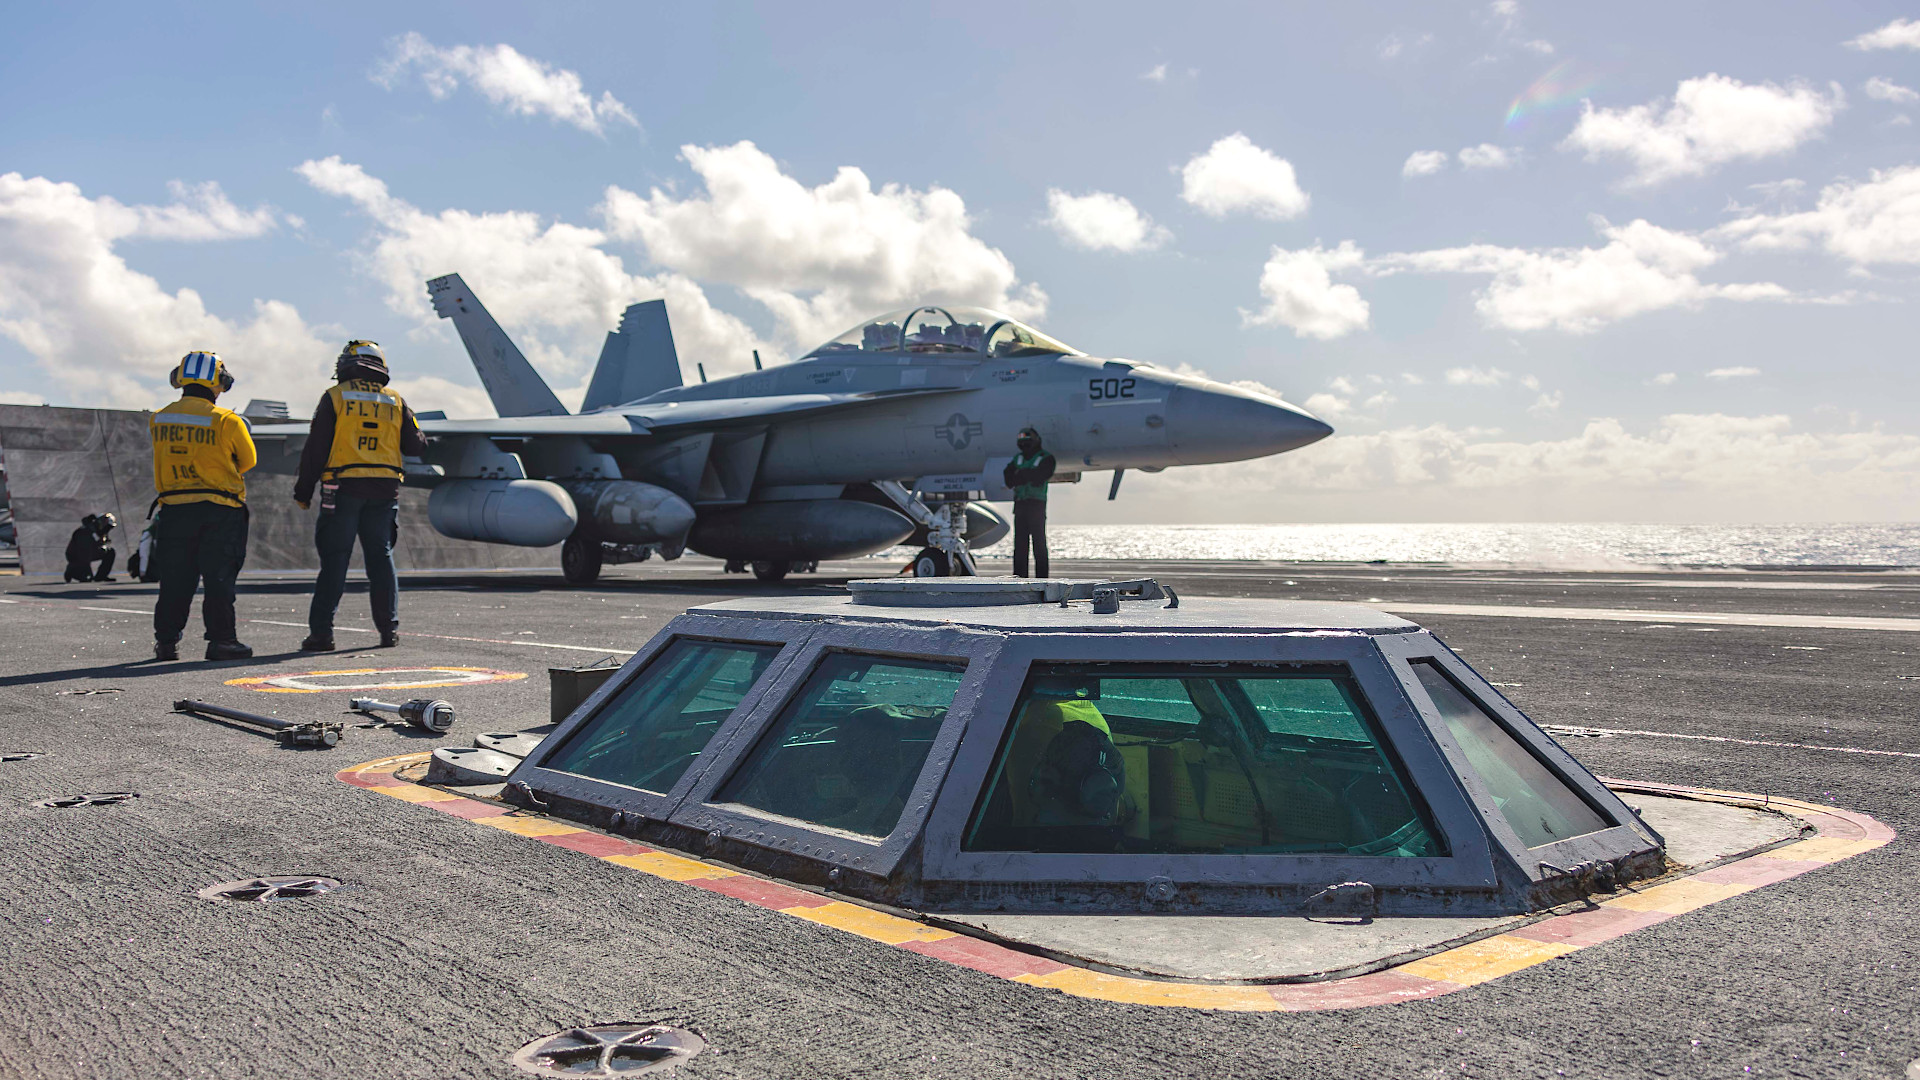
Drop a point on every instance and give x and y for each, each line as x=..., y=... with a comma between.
x=1407, y=739
x=637, y=801
x=744, y=824
x=1626, y=831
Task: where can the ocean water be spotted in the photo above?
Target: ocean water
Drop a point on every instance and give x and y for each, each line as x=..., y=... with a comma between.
x=1588, y=546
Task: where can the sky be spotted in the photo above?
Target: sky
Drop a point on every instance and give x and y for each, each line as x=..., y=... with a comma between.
x=1630, y=261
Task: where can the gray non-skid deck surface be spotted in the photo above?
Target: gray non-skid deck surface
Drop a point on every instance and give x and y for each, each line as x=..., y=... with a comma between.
x=1232, y=947
x=457, y=942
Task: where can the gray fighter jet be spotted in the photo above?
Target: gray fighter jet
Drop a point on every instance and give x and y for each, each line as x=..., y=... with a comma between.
x=894, y=432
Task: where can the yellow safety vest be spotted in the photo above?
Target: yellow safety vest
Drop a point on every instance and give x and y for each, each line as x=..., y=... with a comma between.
x=200, y=451
x=366, y=432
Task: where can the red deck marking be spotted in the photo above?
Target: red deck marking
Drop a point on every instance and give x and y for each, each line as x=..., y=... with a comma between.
x=970, y=952
x=1590, y=927
x=762, y=893
x=1577, y=930
x=598, y=845
x=1378, y=988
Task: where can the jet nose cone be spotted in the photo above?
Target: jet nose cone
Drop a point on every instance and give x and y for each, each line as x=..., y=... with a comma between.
x=1225, y=423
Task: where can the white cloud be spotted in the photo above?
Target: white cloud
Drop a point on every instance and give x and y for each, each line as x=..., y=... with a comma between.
x=819, y=258
x=110, y=333
x=1733, y=372
x=1711, y=120
x=1236, y=176
x=1865, y=222
x=1157, y=73
x=551, y=285
x=1548, y=402
x=1476, y=376
x=1099, y=221
x=1393, y=45
x=1665, y=378
x=522, y=85
x=1486, y=156
x=1881, y=89
x=463, y=400
x=1641, y=268
x=1424, y=163
x=20, y=397
x=1898, y=34
x=1538, y=45
x=1411, y=379
x=1301, y=295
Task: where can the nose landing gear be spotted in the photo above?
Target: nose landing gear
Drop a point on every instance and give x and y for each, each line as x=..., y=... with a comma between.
x=945, y=517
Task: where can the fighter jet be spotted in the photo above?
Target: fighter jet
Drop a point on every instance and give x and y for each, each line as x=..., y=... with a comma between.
x=894, y=432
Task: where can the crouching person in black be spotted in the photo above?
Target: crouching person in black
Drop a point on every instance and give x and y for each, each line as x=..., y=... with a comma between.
x=90, y=545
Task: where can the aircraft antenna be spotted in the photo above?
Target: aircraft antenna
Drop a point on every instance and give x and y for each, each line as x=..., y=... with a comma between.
x=756, y=359
x=703, y=371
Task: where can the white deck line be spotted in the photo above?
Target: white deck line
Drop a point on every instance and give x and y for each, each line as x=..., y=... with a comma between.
x=1715, y=618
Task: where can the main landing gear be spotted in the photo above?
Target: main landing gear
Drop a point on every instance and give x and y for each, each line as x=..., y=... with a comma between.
x=945, y=516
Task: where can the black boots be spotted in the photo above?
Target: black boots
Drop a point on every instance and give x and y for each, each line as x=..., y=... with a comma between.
x=316, y=643
x=166, y=650
x=228, y=650
x=389, y=638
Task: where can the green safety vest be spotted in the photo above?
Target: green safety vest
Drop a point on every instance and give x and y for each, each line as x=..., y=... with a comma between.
x=1029, y=491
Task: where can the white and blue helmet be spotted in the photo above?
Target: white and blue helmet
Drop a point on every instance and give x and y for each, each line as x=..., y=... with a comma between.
x=202, y=367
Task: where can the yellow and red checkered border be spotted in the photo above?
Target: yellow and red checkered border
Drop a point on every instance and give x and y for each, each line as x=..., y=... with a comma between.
x=1841, y=834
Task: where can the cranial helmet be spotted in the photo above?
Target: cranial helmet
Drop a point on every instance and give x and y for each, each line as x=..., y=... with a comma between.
x=106, y=522
x=202, y=367
x=360, y=354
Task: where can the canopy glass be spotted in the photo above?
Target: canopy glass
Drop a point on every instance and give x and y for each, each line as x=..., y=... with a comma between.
x=944, y=330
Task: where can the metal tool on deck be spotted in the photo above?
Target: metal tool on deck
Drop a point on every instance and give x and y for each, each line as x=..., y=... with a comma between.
x=427, y=714
x=290, y=733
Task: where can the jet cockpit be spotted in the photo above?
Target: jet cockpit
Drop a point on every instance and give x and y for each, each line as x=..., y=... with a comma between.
x=945, y=331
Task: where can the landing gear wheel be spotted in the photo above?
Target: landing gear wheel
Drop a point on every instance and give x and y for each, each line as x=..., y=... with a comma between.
x=580, y=560
x=932, y=562
x=770, y=570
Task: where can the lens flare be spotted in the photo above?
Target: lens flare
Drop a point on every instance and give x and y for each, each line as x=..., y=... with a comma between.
x=1557, y=90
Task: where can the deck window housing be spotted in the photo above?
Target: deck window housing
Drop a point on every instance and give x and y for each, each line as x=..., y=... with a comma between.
x=1191, y=759
x=845, y=754
x=1539, y=806
x=656, y=725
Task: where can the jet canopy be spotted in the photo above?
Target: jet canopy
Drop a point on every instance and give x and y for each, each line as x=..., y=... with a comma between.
x=939, y=330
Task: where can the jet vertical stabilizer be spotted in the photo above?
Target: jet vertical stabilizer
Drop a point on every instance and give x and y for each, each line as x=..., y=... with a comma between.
x=516, y=389
x=638, y=359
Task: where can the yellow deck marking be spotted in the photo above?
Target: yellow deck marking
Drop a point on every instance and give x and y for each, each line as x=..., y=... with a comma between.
x=528, y=826
x=1821, y=849
x=1678, y=897
x=672, y=867
x=1096, y=984
x=1480, y=961
x=869, y=923
x=420, y=794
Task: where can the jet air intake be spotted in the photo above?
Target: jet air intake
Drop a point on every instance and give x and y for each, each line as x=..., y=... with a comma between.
x=527, y=513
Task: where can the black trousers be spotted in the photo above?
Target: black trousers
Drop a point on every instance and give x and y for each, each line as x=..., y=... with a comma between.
x=1030, y=529
x=196, y=544
x=84, y=571
x=375, y=523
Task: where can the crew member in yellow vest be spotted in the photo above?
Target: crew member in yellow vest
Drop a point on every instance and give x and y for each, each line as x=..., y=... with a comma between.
x=355, y=455
x=201, y=453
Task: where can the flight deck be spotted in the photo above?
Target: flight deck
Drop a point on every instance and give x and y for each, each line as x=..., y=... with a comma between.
x=464, y=929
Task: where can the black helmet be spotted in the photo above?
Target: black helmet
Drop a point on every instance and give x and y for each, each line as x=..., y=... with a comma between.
x=361, y=356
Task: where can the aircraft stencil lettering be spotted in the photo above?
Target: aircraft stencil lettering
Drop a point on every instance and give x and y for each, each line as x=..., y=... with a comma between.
x=958, y=431
x=801, y=461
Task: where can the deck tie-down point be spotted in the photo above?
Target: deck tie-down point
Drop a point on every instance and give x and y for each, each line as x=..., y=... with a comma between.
x=609, y=1050
x=268, y=889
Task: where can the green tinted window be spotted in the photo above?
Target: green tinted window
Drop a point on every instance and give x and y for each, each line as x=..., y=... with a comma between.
x=649, y=733
x=1180, y=759
x=846, y=752
x=1539, y=805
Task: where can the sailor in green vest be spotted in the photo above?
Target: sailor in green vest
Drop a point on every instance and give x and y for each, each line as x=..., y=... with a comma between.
x=1027, y=474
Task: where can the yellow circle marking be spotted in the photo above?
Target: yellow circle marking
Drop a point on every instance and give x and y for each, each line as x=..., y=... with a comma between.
x=439, y=675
